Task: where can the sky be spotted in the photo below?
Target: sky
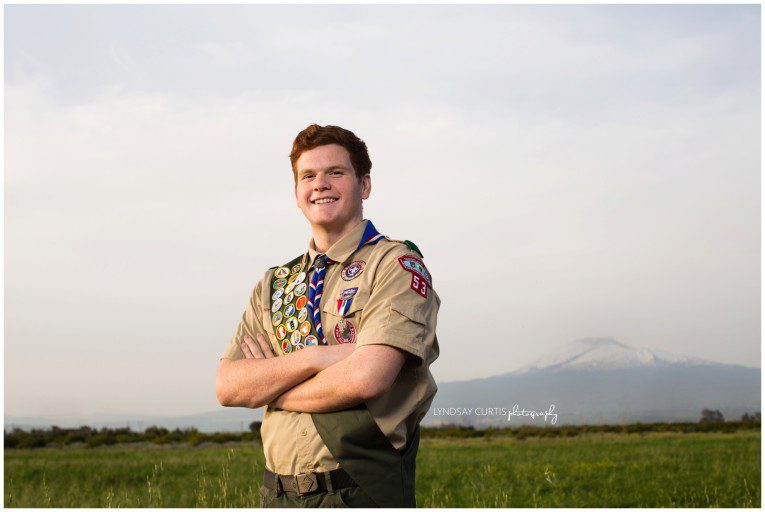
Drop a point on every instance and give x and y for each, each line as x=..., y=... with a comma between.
x=568, y=172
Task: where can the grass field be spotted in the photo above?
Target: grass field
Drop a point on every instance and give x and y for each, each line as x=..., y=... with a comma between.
x=604, y=470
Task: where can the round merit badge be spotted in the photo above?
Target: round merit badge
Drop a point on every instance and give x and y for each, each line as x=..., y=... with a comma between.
x=345, y=332
x=286, y=347
x=297, y=268
x=311, y=341
x=289, y=310
x=281, y=332
x=291, y=324
x=277, y=318
x=301, y=302
x=289, y=297
x=289, y=288
x=277, y=294
x=353, y=270
x=300, y=278
x=282, y=272
x=305, y=328
x=279, y=283
x=300, y=289
x=295, y=338
x=302, y=315
x=276, y=305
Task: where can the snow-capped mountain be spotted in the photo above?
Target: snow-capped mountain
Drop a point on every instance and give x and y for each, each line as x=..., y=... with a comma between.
x=601, y=380
x=605, y=354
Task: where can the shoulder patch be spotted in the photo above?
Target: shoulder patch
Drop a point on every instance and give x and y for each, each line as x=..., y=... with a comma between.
x=421, y=279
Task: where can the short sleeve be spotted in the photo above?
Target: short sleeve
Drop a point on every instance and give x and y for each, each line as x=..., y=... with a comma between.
x=251, y=324
x=402, y=307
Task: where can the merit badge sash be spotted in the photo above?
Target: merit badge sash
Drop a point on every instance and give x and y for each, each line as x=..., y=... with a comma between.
x=290, y=317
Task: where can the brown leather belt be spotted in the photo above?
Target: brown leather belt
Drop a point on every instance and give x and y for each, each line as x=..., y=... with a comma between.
x=306, y=483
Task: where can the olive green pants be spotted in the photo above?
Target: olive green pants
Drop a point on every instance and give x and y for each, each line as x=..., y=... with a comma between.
x=347, y=497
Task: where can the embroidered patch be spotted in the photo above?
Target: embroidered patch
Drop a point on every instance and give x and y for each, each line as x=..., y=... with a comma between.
x=302, y=315
x=301, y=302
x=311, y=341
x=348, y=293
x=279, y=283
x=415, y=266
x=353, y=270
x=289, y=297
x=300, y=289
x=282, y=272
x=291, y=324
x=419, y=285
x=297, y=268
x=345, y=332
x=295, y=338
x=305, y=328
x=286, y=347
x=289, y=310
x=300, y=278
x=277, y=294
x=276, y=305
x=277, y=318
x=281, y=332
x=421, y=279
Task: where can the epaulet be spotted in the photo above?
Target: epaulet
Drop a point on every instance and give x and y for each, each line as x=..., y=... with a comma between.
x=271, y=268
x=409, y=244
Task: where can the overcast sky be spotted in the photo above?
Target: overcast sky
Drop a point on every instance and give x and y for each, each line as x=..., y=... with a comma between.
x=568, y=171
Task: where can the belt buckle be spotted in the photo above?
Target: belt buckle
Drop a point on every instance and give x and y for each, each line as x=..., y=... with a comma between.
x=306, y=482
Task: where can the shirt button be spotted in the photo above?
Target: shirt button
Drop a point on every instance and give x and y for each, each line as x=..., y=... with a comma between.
x=304, y=432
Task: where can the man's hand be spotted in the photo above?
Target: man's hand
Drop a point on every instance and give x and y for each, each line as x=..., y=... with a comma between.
x=260, y=350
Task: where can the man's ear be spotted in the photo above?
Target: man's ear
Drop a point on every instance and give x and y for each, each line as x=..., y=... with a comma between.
x=366, y=186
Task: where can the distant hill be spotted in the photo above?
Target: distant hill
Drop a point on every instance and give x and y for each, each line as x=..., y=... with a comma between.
x=600, y=380
x=591, y=380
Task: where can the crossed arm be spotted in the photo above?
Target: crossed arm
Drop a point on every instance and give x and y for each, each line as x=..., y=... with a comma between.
x=314, y=379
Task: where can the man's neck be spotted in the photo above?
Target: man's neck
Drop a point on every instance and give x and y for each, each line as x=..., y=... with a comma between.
x=325, y=237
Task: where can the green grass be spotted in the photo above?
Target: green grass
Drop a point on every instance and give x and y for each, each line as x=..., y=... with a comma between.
x=604, y=470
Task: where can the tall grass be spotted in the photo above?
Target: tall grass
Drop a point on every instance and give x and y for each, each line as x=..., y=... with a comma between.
x=599, y=470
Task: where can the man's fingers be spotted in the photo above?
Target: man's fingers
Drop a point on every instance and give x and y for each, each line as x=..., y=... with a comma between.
x=246, y=350
x=254, y=347
x=265, y=347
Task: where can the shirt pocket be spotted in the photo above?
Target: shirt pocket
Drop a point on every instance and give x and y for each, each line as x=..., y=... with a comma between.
x=341, y=323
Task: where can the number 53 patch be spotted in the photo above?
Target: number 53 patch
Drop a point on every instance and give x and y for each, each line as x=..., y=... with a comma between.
x=421, y=279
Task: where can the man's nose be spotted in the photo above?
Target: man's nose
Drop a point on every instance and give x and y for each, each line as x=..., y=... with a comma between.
x=321, y=182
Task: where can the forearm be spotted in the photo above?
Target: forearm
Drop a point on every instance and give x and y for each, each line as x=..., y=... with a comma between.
x=255, y=382
x=332, y=389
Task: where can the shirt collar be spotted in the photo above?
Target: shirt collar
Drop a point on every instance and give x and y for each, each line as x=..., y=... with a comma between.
x=343, y=248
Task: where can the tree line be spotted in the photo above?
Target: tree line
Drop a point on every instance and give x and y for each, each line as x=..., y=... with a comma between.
x=711, y=421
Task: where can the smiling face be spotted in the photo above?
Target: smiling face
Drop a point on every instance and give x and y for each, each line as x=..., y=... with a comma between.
x=327, y=190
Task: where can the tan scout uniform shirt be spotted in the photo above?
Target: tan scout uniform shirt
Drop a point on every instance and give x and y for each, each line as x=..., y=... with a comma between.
x=385, y=310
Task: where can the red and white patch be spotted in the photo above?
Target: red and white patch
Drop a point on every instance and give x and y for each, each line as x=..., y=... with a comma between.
x=421, y=279
x=419, y=285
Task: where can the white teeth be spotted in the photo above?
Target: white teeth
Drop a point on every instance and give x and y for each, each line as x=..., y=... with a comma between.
x=322, y=201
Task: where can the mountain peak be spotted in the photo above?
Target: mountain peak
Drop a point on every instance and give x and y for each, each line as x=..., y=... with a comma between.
x=604, y=353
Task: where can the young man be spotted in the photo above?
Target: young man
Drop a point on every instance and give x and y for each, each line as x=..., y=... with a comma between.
x=337, y=344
